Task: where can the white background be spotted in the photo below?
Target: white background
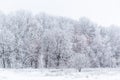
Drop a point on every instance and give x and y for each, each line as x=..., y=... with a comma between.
x=104, y=12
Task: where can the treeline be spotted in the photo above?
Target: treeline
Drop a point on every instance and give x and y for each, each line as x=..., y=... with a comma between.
x=44, y=41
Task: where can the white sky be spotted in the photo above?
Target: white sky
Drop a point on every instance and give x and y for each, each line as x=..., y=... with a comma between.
x=104, y=12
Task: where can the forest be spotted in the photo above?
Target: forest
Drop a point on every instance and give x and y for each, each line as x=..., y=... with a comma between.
x=44, y=41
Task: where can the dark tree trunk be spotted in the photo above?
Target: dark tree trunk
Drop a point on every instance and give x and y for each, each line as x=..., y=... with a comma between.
x=46, y=62
x=36, y=64
x=4, y=63
x=79, y=69
x=58, y=60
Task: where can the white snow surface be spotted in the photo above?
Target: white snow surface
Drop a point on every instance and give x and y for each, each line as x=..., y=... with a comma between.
x=59, y=74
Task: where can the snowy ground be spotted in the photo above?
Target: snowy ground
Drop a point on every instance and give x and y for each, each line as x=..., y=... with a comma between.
x=54, y=74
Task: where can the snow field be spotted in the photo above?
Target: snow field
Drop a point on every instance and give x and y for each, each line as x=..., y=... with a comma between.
x=59, y=74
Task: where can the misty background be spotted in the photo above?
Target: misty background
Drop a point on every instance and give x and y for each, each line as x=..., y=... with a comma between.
x=103, y=12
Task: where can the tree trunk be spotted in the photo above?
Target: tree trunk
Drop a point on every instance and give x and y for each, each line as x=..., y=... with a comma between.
x=4, y=63
x=79, y=69
x=58, y=61
x=46, y=62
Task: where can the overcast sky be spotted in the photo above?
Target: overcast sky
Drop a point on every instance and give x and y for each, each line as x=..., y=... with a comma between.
x=104, y=12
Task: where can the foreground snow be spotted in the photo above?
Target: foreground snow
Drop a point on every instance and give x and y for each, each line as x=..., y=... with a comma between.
x=57, y=74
